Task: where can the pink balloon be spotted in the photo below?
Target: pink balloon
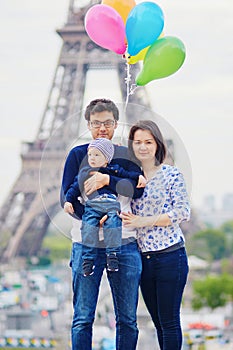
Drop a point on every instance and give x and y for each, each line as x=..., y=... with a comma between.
x=106, y=28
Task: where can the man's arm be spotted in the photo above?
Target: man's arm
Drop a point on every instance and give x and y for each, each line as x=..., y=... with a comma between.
x=119, y=171
x=96, y=181
x=127, y=186
x=71, y=169
x=123, y=186
x=137, y=175
x=74, y=191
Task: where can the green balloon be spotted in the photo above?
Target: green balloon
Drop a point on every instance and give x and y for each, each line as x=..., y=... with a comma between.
x=164, y=57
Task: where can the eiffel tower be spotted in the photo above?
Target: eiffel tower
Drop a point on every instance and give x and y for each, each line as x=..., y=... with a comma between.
x=24, y=219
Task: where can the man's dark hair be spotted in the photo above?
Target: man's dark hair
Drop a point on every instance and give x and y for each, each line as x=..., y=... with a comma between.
x=153, y=128
x=101, y=105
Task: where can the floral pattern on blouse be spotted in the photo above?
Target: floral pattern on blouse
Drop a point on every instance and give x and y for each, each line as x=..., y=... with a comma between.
x=164, y=193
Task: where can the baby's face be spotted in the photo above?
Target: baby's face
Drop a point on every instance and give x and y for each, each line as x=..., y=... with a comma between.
x=96, y=159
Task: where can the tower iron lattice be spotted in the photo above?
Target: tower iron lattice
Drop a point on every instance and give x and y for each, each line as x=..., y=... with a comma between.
x=23, y=218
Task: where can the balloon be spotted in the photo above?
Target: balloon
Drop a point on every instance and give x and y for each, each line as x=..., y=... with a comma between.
x=164, y=57
x=139, y=57
x=123, y=7
x=143, y=26
x=105, y=27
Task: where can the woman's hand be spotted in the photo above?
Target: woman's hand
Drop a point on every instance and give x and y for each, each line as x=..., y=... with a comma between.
x=131, y=220
x=141, y=181
x=96, y=181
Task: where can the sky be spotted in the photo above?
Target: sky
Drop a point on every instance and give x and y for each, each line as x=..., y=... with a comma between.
x=196, y=101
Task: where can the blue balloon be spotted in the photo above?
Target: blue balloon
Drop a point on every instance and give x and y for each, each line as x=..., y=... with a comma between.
x=143, y=26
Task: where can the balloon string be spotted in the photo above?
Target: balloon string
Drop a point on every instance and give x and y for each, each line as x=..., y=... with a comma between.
x=133, y=87
x=130, y=89
x=127, y=81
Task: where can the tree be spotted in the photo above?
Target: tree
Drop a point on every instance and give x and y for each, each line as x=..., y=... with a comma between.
x=210, y=243
x=227, y=228
x=212, y=292
x=227, y=265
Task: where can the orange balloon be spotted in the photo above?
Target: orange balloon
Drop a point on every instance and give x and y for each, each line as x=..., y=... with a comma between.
x=123, y=7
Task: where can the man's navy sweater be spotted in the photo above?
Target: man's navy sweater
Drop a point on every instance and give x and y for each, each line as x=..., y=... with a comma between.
x=77, y=159
x=77, y=188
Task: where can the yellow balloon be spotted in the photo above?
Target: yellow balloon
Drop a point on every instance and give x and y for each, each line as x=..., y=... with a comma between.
x=161, y=35
x=123, y=7
x=139, y=57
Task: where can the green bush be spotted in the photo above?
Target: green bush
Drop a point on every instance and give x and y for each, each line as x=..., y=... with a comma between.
x=56, y=247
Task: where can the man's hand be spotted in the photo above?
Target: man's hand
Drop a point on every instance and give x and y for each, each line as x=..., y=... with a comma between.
x=96, y=181
x=68, y=208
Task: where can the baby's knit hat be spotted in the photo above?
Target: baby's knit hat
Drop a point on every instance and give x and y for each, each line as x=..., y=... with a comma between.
x=105, y=146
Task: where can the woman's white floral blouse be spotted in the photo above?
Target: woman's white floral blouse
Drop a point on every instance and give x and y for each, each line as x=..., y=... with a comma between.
x=164, y=193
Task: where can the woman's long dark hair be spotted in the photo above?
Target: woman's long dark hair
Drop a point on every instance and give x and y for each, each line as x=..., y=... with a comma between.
x=155, y=132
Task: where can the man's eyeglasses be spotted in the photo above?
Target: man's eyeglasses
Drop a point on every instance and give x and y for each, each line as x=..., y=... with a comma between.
x=96, y=124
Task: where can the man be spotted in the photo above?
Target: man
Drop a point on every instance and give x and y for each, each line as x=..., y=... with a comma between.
x=102, y=116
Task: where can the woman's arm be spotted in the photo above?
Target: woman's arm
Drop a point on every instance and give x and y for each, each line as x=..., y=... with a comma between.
x=131, y=220
x=179, y=200
x=179, y=212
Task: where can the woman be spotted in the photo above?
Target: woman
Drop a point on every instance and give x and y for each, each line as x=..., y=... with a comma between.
x=156, y=216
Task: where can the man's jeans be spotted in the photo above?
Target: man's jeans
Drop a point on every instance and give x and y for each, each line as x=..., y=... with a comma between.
x=124, y=287
x=163, y=279
x=112, y=228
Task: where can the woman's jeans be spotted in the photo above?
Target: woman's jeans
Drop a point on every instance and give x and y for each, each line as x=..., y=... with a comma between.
x=124, y=286
x=163, y=280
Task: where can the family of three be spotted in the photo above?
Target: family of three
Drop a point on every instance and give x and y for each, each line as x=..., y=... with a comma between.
x=127, y=205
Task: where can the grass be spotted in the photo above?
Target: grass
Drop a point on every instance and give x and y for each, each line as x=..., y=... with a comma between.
x=57, y=246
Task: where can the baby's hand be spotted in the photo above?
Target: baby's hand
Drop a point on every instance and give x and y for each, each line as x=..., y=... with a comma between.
x=103, y=219
x=141, y=181
x=68, y=208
